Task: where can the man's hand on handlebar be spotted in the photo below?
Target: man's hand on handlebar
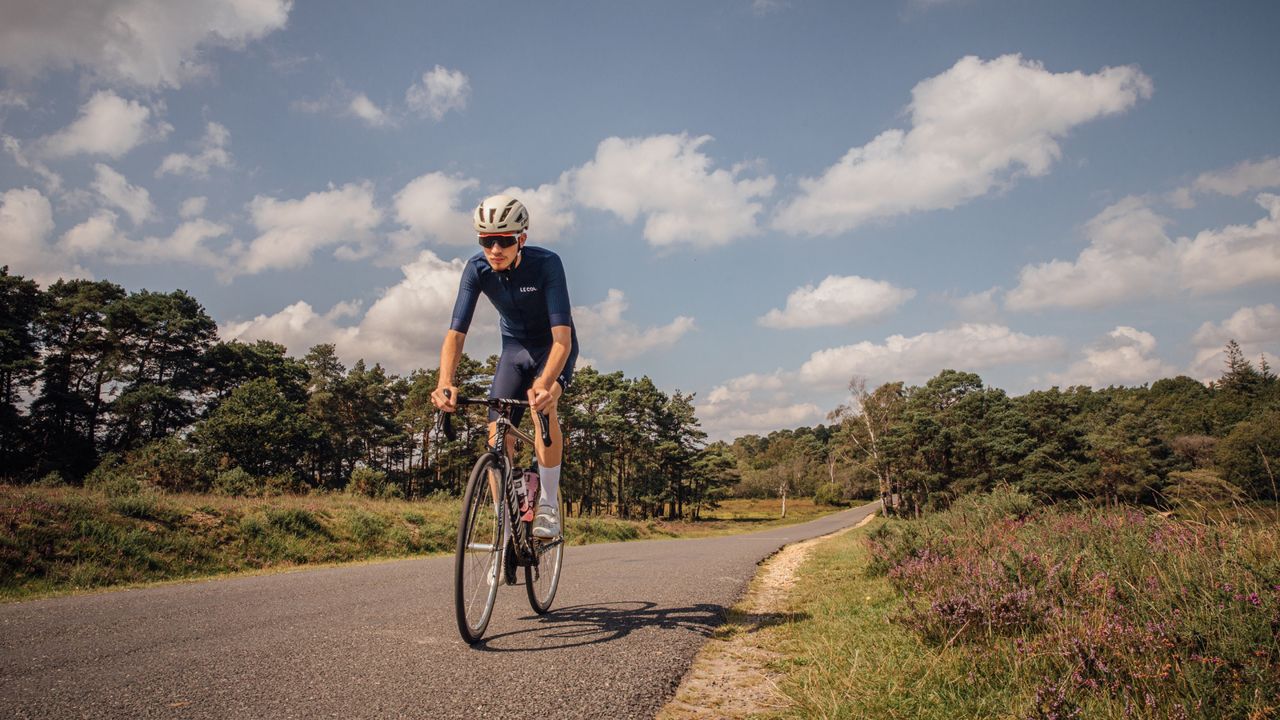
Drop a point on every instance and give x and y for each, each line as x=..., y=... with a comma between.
x=445, y=398
x=542, y=399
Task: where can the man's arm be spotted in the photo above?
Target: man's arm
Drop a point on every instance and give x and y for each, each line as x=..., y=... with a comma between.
x=546, y=388
x=450, y=354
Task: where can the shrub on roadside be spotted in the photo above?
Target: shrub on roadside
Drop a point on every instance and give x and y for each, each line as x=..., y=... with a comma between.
x=367, y=481
x=112, y=478
x=832, y=494
x=1113, y=611
x=168, y=464
x=236, y=482
x=53, y=479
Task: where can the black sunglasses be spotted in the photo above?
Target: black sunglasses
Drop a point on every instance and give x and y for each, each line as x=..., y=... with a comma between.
x=503, y=241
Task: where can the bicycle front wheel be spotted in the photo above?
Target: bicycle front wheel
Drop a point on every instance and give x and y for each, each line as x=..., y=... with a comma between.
x=479, y=556
x=542, y=579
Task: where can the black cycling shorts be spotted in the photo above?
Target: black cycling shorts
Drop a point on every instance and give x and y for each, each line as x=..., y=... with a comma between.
x=519, y=365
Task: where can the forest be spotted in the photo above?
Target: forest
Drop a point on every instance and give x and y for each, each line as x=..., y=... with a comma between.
x=120, y=390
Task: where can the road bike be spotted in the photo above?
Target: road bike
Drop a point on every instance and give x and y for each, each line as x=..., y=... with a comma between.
x=490, y=544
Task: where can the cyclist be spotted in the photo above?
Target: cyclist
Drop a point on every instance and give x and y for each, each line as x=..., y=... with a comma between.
x=539, y=344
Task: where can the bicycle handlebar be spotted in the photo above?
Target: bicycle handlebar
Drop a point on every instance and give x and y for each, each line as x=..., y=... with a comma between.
x=444, y=420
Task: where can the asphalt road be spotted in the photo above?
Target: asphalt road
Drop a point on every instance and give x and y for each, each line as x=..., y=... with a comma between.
x=379, y=640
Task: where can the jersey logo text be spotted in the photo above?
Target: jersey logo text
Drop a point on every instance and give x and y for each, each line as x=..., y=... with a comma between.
x=527, y=288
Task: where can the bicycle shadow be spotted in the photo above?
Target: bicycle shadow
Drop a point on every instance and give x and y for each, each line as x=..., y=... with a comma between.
x=579, y=625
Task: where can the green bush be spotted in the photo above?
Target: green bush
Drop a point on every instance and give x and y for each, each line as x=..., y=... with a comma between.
x=112, y=478
x=279, y=484
x=367, y=481
x=1002, y=502
x=144, y=506
x=296, y=521
x=832, y=494
x=236, y=482
x=167, y=464
x=52, y=480
x=366, y=527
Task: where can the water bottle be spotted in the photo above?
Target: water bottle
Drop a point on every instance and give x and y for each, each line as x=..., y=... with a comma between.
x=530, y=498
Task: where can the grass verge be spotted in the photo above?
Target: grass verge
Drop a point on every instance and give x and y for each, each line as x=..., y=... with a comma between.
x=999, y=611
x=61, y=540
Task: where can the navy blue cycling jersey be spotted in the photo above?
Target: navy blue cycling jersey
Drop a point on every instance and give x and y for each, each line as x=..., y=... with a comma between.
x=531, y=298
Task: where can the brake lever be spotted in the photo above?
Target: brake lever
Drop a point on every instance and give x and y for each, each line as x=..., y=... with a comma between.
x=444, y=423
x=546, y=428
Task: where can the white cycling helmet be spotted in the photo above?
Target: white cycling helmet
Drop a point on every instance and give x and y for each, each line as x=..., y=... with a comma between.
x=501, y=214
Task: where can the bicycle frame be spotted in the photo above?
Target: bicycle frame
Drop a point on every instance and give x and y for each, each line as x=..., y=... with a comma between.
x=518, y=534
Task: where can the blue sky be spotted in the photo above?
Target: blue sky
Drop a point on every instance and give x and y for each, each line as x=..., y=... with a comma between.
x=755, y=201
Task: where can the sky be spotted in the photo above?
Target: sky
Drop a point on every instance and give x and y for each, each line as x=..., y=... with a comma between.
x=756, y=201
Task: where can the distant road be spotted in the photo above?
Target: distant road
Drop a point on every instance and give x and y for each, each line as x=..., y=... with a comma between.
x=379, y=640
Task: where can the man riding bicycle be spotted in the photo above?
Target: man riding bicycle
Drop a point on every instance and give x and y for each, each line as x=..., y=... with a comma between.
x=539, y=344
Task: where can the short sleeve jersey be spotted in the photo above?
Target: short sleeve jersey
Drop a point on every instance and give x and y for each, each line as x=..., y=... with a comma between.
x=531, y=298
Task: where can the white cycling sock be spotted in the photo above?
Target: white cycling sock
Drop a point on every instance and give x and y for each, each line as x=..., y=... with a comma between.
x=549, y=479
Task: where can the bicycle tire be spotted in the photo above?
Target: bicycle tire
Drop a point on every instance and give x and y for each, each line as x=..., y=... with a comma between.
x=543, y=579
x=477, y=563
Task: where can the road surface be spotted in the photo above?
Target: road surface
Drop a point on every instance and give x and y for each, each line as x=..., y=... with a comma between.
x=379, y=640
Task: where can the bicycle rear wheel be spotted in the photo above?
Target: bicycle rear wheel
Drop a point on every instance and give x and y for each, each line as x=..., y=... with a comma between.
x=479, y=555
x=542, y=580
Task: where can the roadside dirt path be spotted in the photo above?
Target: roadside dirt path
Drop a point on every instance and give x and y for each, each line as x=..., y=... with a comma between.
x=731, y=677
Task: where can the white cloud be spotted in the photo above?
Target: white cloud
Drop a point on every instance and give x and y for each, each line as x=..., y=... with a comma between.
x=755, y=403
x=1123, y=357
x=193, y=207
x=96, y=235
x=112, y=187
x=612, y=338
x=107, y=125
x=365, y=109
x=550, y=207
x=972, y=346
x=768, y=7
x=99, y=236
x=440, y=91
x=761, y=402
x=723, y=422
x=669, y=181
x=147, y=43
x=431, y=207
x=292, y=230
x=837, y=301
x=979, y=306
x=187, y=243
x=1256, y=329
x=1244, y=177
x=213, y=153
x=1129, y=255
x=974, y=128
x=1235, y=255
x=402, y=330
x=26, y=223
x=12, y=98
x=52, y=180
x=298, y=327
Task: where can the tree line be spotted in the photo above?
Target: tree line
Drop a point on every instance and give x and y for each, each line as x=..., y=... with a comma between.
x=100, y=386
x=104, y=387
x=921, y=447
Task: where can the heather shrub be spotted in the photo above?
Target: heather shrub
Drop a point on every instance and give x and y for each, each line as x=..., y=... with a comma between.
x=1111, y=612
